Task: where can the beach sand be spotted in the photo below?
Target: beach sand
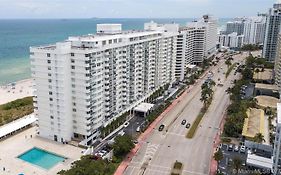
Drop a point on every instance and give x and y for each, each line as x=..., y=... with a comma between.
x=17, y=90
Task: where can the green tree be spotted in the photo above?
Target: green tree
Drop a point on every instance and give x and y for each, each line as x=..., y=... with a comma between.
x=259, y=138
x=228, y=62
x=88, y=166
x=122, y=145
x=218, y=156
x=236, y=163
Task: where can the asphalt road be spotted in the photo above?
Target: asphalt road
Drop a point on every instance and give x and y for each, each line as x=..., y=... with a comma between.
x=161, y=149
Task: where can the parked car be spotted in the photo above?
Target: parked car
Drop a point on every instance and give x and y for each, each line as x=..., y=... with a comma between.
x=161, y=127
x=236, y=148
x=187, y=125
x=230, y=147
x=242, y=149
x=138, y=129
x=183, y=122
x=126, y=124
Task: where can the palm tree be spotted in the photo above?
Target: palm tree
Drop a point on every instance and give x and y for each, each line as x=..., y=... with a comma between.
x=236, y=163
x=218, y=156
x=259, y=138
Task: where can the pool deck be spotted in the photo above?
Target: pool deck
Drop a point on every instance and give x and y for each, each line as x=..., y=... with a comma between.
x=14, y=146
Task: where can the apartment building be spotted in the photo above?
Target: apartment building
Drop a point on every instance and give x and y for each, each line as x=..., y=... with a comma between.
x=86, y=81
x=272, y=30
x=254, y=29
x=277, y=143
x=236, y=26
x=195, y=42
x=232, y=40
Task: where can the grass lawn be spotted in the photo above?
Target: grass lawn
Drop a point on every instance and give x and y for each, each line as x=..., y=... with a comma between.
x=194, y=126
x=15, y=110
x=230, y=69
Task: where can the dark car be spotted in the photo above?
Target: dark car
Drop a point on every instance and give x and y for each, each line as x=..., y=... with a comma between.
x=161, y=127
x=187, y=125
x=183, y=122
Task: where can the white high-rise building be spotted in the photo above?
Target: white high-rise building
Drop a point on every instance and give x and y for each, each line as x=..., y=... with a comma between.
x=236, y=26
x=272, y=30
x=277, y=143
x=196, y=42
x=277, y=66
x=231, y=40
x=87, y=80
x=254, y=30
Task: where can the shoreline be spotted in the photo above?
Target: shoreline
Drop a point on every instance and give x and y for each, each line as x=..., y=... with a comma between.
x=16, y=90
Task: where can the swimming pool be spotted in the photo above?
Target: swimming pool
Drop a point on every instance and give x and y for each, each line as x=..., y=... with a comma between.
x=41, y=158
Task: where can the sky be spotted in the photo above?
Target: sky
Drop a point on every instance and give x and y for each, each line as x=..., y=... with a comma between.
x=131, y=8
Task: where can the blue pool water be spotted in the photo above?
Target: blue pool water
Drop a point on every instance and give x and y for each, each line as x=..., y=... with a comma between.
x=41, y=158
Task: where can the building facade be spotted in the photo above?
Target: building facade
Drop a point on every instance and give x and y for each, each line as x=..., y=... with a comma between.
x=235, y=26
x=272, y=30
x=277, y=143
x=195, y=42
x=254, y=30
x=277, y=65
x=231, y=40
x=86, y=81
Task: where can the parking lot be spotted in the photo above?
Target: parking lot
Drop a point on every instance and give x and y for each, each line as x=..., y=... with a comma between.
x=226, y=164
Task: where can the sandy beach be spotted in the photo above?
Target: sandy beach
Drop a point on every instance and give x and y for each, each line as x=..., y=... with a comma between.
x=13, y=91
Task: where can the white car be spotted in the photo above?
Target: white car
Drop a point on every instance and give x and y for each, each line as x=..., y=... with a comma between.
x=242, y=149
x=236, y=148
x=126, y=124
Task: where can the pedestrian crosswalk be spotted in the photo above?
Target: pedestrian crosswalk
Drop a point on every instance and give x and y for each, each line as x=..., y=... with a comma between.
x=150, y=151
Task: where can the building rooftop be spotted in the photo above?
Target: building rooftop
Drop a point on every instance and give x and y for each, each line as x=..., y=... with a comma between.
x=267, y=101
x=259, y=161
x=272, y=87
x=17, y=124
x=267, y=74
x=254, y=123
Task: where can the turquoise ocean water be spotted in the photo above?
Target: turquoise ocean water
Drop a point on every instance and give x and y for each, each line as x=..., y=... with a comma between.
x=16, y=36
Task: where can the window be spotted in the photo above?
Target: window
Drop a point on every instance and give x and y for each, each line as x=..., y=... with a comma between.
x=49, y=61
x=72, y=61
x=72, y=67
x=50, y=93
x=74, y=104
x=49, y=68
x=52, y=117
x=72, y=54
x=49, y=74
x=51, y=99
x=48, y=55
x=50, y=80
x=74, y=110
x=73, y=85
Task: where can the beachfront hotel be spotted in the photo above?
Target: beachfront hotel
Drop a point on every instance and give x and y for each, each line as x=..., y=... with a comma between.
x=86, y=81
x=195, y=42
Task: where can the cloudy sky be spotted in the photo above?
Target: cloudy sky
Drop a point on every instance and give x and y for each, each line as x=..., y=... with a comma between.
x=130, y=8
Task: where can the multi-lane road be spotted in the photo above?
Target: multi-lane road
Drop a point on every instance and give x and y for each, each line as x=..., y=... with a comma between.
x=160, y=150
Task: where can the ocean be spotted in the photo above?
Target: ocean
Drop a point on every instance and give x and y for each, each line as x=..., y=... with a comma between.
x=17, y=35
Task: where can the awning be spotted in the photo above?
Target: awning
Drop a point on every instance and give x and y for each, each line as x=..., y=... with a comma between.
x=17, y=124
x=144, y=107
